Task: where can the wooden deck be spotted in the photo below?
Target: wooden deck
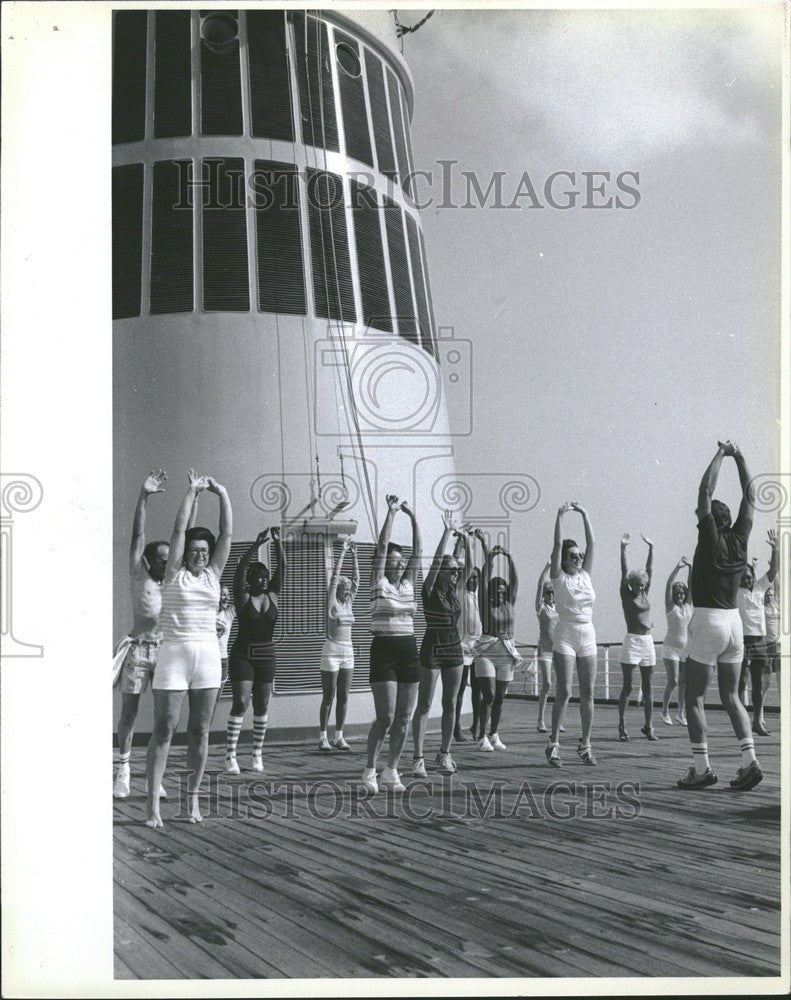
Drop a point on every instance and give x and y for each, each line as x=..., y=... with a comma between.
x=688, y=887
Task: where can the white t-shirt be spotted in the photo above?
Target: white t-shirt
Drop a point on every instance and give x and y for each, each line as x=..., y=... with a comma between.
x=751, y=606
x=393, y=607
x=574, y=597
x=678, y=625
x=189, y=606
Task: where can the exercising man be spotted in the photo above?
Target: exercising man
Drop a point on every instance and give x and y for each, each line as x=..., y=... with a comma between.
x=140, y=648
x=715, y=630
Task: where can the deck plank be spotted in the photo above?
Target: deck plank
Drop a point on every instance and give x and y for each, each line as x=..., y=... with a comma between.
x=298, y=894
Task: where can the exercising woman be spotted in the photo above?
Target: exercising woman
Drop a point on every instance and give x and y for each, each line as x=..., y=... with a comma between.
x=547, y=620
x=189, y=659
x=574, y=641
x=496, y=655
x=470, y=630
x=637, y=648
x=678, y=607
x=772, y=615
x=337, y=653
x=252, y=662
x=750, y=600
x=440, y=651
x=395, y=666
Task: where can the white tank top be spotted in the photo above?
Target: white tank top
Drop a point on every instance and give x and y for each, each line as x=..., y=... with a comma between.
x=574, y=597
x=678, y=625
x=189, y=606
x=392, y=608
x=340, y=619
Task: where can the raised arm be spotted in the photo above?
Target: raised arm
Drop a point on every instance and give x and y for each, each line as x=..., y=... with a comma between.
x=671, y=580
x=176, y=553
x=513, y=576
x=378, y=564
x=240, y=575
x=222, y=549
x=193, y=514
x=466, y=536
x=410, y=573
x=356, y=568
x=774, y=558
x=649, y=560
x=709, y=483
x=336, y=572
x=153, y=484
x=278, y=580
x=625, y=539
x=587, y=562
x=447, y=528
x=486, y=572
x=557, y=544
x=542, y=581
x=747, y=506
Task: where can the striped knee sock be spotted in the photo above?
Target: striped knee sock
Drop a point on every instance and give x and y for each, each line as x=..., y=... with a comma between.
x=259, y=732
x=123, y=759
x=232, y=731
x=700, y=757
x=747, y=747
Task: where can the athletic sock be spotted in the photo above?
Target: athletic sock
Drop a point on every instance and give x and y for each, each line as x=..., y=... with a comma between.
x=747, y=747
x=700, y=757
x=338, y=733
x=232, y=730
x=259, y=732
x=123, y=758
x=322, y=735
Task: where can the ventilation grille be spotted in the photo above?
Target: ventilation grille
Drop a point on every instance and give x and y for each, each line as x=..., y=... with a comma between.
x=173, y=72
x=314, y=76
x=171, y=242
x=129, y=75
x=333, y=288
x=270, y=91
x=370, y=257
x=281, y=278
x=221, y=90
x=127, y=239
x=225, y=276
x=355, y=114
x=420, y=288
x=399, y=267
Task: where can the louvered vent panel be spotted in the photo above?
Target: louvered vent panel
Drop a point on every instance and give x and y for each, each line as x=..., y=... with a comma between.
x=173, y=76
x=333, y=289
x=220, y=90
x=270, y=91
x=399, y=269
x=370, y=258
x=171, y=243
x=129, y=75
x=398, y=128
x=225, y=279
x=381, y=123
x=355, y=113
x=127, y=239
x=426, y=337
x=314, y=78
x=281, y=276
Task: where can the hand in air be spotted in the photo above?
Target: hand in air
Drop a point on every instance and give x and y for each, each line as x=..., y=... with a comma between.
x=352, y=546
x=212, y=485
x=565, y=508
x=197, y=482
x=728, y=447
x=275, y=533
x=576, y=506
x=683, y=562
x=393, y=502
x=262, y=536
x=406, y=509
x=447, y=521
x=626, y=538
x=478, y=533
x=647, y=541
x=154, y=481
x=772, y=538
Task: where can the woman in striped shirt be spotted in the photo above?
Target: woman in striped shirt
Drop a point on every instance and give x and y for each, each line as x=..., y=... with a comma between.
x=189, y=658
x=395, y=665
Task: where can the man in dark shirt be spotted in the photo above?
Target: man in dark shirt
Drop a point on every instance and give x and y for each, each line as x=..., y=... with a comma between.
x=715, y=629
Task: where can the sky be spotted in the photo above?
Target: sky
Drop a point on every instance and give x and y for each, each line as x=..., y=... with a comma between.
x=610, y=348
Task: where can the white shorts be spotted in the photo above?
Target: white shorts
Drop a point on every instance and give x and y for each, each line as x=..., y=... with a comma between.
x=716, y=636
x=674, y=653
x=495, y=661
x=337, y=656
x=188, y=665
x=638, y=650
x=574, y=639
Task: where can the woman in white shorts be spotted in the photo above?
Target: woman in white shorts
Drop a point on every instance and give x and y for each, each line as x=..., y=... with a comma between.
x=496, y=655
x=189, y=658
x=637, y=648
x=678, y=606
x=547, y=620
x=337, y=653
x=574, y=641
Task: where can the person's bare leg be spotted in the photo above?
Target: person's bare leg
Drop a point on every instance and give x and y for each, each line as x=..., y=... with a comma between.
x=697, y=676
x=428, y=684
x=201, y=709
x=451, y=679
x=564, y=668
x=384, y=693
x=406, y=700
x=167, y=710
x=586, y=673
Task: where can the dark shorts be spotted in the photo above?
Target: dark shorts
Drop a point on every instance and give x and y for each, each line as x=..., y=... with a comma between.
x=773, y=654
x=441, y=650
x=394, y=658
x=754, y=648
x=259, y=669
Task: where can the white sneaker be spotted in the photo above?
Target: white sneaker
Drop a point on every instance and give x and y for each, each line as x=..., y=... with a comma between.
x=121, y=786
x=497, y=743
x=419, y=768
x=162, y=793
x=369, y=780
x=341, y=744
x=257, y=763
x=484, y=744
x=680, y=720
x=445, y=762
x=391, y=779
x=666, y=719
x=231, y=764
x=324, y=743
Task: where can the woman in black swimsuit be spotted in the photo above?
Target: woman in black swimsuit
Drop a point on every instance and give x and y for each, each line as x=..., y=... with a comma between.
x=252, y=661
